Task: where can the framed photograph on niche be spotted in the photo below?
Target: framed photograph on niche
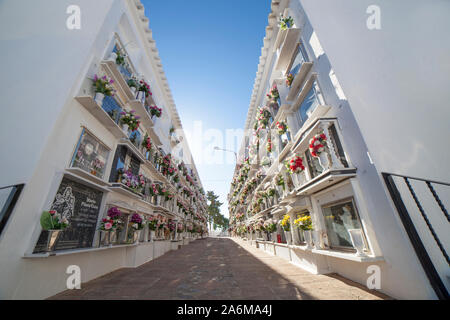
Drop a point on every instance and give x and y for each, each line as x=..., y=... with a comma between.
x=90, y=155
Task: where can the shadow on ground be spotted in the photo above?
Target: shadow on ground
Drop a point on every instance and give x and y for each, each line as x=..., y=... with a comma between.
x=216, y=269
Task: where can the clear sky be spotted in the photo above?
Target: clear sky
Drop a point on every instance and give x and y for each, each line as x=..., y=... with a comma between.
x=210, y=51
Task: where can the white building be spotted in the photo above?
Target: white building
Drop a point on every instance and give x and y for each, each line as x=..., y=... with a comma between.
x=371, y=76
x=63, y=146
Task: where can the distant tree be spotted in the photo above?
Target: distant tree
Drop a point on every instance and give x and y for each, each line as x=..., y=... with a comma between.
x=215, y=218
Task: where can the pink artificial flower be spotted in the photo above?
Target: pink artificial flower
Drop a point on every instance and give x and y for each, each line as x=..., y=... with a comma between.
x=108, y=225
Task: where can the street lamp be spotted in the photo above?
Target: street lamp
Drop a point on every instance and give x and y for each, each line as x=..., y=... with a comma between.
x=235, y=154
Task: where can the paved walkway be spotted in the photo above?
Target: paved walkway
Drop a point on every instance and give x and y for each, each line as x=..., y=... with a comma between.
x=218, y=268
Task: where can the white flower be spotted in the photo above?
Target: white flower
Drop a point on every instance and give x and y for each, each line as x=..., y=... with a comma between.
x=317, y=142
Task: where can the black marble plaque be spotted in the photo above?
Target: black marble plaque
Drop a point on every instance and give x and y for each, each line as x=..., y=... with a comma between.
x=80, y=204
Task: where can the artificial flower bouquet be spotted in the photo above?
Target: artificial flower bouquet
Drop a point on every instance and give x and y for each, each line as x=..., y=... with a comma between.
x=289, y=79
x=133, y=83
x=120, y=59
x=304, y=222
x=144, y=87
x=281, y=127
x=285, y=23
x=155, y=111
x=137, y=221
x=270, y=225
x=295, y=164
x=135, y=183
x=112, y=221
x=172, y=226
x=269, y=145
x=152, y=223
x=286, y=223
x=147, y=142
x=103, y=85
x=129, y=118
x=274, y=95
x=263, y=117
x=317, y=144
x=97, y=165
x=52, y=220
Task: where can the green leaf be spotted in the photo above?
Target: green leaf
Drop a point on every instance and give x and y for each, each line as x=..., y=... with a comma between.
x=46, y=220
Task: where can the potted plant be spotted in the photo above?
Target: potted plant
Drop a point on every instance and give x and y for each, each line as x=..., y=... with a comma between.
x=54, y=224
x=102, y=87
x=136, y=227
x=129, y=121
x=285, y=23
x=286, y=225
x=108, y=227
x=304, y=223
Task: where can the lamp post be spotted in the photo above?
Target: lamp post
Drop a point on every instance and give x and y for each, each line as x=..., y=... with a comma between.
x=235, y=154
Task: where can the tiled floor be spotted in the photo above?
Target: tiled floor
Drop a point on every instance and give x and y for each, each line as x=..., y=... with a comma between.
x=218, y=268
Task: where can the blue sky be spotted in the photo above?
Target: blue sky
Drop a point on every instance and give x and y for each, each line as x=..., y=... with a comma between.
x=209, y=51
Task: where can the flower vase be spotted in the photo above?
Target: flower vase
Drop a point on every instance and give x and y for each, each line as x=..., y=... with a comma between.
x=98, y=98
x=107, y=238
x=152, y=236
x=316, y=239
x=52, y=239
x=308, y=238
x=357, y=238
x=133, y=90
x=274, y=236
x=125, y=128
x=140, y=96
x=323, y=160
x=158, y=200
x=288, y=236
x=136, y=236
x=112, y=57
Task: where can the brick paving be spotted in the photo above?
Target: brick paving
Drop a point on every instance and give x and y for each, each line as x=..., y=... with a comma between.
x=216, y=269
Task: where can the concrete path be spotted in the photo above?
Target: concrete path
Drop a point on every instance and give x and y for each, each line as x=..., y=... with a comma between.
x=219, y=268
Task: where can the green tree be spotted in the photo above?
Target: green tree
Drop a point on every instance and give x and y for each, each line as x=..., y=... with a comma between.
x=215, y=218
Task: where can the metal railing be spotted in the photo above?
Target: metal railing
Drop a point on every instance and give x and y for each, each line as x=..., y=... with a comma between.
x=410, y=227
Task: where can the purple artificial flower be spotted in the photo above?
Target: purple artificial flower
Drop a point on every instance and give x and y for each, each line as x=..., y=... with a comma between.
x=135, y=218
x=114, y=213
